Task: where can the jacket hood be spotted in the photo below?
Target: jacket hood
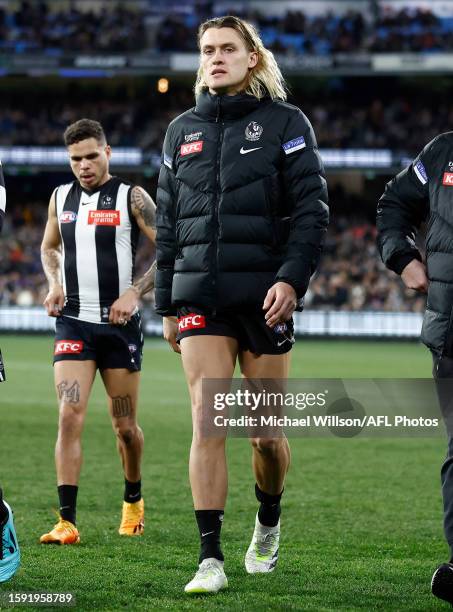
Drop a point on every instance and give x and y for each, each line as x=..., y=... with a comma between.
x=212, y=106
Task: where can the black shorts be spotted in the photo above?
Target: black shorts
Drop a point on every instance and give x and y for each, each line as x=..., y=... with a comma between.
x=110, y=346
x=248, y=327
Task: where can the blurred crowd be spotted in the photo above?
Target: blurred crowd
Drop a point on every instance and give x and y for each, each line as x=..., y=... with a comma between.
x=47, y=27
x=403, y=123
x=116, y=27
x=351, y=275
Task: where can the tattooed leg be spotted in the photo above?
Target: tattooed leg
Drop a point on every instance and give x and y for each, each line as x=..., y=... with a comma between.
x=73, y=382
x=122, y=390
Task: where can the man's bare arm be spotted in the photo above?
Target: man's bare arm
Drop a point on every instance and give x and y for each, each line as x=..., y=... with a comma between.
x=143, y=209
x=51, y=262
x=146, y=282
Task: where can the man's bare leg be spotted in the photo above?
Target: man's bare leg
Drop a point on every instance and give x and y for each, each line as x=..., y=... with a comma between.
x=207, y=357
x=271, y=458
x=122, y=391
x=73, y=382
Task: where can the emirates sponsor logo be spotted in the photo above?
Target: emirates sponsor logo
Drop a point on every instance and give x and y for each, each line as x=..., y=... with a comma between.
x=193, y=136
x=448, y=179
x=192, y=147
x=66, y=347
x=191, y=321
x=104, y=217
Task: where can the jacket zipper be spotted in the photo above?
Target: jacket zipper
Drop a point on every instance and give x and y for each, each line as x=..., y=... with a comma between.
x=217, y=199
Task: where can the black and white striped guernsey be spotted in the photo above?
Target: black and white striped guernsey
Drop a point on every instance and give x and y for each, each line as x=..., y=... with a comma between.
x=99, y=237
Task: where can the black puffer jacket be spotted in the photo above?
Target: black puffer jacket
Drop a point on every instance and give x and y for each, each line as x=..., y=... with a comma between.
x=424, y=189
x=241, y=204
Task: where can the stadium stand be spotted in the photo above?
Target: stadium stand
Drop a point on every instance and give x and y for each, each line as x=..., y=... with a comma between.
x=147, y=26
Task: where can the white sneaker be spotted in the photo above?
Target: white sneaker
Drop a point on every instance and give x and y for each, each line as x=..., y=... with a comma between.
x=210, y=578
x=262, y=553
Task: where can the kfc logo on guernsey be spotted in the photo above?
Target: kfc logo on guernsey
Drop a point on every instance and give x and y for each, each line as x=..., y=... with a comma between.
x=191, y=321
x=68, y=216
x=68, y=347
x=192, y=147
x=448, y=179
x=104, y=217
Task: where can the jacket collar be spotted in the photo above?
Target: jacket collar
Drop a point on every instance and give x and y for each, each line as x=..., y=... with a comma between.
x=226, y=107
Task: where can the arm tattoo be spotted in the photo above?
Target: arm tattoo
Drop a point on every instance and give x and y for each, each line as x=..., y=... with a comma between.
x=69, y=393
x=51, y=262
x=146, y=282
x=143, y=205
x=121, y=406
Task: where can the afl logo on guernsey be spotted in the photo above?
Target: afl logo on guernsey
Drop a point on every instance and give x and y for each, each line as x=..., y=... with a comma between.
x=68, y=216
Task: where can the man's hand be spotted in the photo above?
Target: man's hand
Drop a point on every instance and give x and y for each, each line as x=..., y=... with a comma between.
x=170, y=330
x=280, y=303
x=54, y=301
x=123, y=308
x=414, y=276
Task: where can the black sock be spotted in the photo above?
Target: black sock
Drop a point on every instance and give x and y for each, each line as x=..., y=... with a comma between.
x=68, y=500
x=269, y=510
x=209, y=524
x=4, y=514
x=132, y=491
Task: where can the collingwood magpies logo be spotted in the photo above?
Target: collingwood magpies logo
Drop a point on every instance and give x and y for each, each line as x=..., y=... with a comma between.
x=253, y=131
x=106, y=201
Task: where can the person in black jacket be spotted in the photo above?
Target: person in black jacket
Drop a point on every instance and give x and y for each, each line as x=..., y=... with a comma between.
x=9, y=546
x=425, y=190
x=241, y=218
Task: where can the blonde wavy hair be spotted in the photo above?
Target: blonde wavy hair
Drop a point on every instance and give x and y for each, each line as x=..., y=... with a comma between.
x=265, y=78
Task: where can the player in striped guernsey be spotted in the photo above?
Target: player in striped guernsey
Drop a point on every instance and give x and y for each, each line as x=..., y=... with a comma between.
x=88, y=254
x=9, y=546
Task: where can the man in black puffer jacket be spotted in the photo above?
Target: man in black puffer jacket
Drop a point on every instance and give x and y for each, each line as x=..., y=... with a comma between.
x=425, y=190
x=241, y=218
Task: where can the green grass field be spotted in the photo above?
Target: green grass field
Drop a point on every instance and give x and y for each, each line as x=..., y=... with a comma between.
x=361, y=517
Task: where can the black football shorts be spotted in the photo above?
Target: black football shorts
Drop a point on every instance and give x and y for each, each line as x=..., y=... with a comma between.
x=248, y=327
x=110, y=346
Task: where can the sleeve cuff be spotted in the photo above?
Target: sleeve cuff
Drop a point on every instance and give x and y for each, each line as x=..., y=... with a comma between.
x=398, y=263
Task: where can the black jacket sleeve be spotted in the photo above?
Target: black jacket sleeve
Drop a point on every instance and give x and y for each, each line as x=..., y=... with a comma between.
x=306, y=193
x=2, y=197
x=402, y=208
x=166, y=231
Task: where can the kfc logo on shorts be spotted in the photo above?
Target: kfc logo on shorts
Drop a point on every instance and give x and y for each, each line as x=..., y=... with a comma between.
x=192, y=147
x=448, y=179
x=68, y=216
x=68, y=347
x=191, y=321
x=104, y=217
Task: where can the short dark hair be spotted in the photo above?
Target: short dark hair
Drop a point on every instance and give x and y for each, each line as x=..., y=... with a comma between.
x=83, y=129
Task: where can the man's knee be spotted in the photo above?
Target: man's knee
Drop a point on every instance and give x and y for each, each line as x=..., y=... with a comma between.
x=268, y=446
x=125, y=431
x=71, y=419
x=205, y=432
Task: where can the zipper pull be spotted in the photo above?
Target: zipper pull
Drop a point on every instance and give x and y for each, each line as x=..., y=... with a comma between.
x=217, y=119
